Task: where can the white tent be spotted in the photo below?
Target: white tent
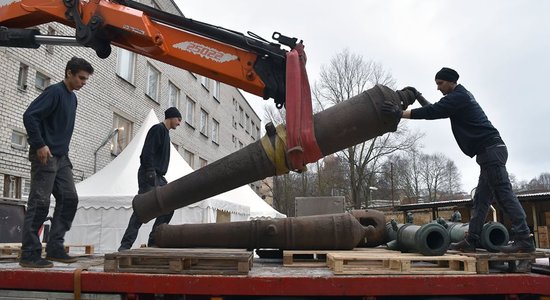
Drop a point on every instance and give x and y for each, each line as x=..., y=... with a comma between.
x=105, y=199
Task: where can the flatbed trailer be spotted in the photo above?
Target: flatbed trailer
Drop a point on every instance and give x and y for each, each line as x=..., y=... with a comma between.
x=267, y=279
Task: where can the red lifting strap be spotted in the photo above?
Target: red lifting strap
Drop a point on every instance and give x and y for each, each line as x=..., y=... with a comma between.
x=301, y=142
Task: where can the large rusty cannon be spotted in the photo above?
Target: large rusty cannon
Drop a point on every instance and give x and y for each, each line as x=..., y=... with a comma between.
x=343, y=125
x=331, y=232
x=493, y=234
x=430, y=239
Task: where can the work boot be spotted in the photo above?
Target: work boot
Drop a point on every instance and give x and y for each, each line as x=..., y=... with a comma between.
x=468, y=244
x=521, y=244
x=34, y=260
x=60, y=256
x=37, y=262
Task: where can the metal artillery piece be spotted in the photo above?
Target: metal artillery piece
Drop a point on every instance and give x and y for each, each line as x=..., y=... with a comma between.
x=343, y=125
x=430, y=239
x=493, y=234
x=331, y=232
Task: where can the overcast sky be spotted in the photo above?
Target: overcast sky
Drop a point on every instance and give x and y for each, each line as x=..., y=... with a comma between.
x=500, y=48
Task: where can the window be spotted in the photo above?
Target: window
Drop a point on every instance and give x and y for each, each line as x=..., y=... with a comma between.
x=204, y=123
x=215, y=131
x=205, y=81
x=173, y=95
x=126, y=62
x=26, y=187
x=258, y=132
x=18, y=140
x=22, y=77
x=122, y=137
x=216, y=90
x=189, y=157
x=202, y=162
x=176, y=146
x=41, y=81
x=241, y=145
x=49, y=48
x=253, y=128
x=241, y=116
x=234, y=122
x=12, y=186
x=234, y=140
x=247, y=124
x=190, y=112
x=153, y=82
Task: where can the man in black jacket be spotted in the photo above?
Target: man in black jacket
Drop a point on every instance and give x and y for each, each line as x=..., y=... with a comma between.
x=476, y=136
x=154, y=159
x=49, y=121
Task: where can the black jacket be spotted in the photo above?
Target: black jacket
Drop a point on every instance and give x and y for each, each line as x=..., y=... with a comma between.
x=156, y=150
x=49, y=119
x=471, y=127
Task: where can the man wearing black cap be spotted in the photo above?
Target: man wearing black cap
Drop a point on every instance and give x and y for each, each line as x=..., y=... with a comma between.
x=476, y=136
x=154, y=159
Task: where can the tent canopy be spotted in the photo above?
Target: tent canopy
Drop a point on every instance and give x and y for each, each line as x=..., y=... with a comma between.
x=115, y=185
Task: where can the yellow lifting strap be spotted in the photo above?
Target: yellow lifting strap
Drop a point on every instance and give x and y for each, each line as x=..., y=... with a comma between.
x=277, y=153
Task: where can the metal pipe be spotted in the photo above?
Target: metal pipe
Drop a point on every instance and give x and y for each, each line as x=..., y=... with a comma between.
x=330, y=232
x=343, y=125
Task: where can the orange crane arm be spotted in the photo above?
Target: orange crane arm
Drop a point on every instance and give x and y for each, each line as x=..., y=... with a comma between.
x=246, y=62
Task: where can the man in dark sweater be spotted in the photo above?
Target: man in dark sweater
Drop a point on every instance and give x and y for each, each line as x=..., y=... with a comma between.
x=154, y=159
x=49, y=121
x=476, y=136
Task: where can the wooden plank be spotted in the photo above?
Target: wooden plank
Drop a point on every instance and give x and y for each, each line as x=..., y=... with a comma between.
x=516, y=262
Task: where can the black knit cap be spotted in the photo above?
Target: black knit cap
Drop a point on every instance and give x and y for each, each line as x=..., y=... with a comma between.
x=447, y=74
x=172, y=112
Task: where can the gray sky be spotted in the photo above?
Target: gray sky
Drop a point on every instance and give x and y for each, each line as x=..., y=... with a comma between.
x=500, y=48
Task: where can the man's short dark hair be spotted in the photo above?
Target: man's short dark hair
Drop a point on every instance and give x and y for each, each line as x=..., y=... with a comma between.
x=77, y=64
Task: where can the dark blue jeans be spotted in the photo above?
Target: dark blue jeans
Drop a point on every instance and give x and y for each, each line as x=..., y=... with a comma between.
x=494, y=183
x=134, y=224
x=56, y=177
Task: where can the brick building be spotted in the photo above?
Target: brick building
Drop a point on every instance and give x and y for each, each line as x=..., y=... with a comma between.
x=217, y=119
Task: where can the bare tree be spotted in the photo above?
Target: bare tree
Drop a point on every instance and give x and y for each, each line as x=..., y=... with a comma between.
x=347, y=75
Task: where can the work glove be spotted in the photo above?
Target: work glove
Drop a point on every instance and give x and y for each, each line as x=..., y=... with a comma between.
x=151, y=176
x=392, y=110
x=410, y=88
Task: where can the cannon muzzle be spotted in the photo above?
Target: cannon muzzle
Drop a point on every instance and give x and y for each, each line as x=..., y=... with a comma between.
x=430, y=239
x=493, y=234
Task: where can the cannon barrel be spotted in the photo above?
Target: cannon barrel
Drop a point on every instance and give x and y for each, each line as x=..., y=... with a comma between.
x=331, y=232
x=429, y=239
x=343, y=125
x=493, y=234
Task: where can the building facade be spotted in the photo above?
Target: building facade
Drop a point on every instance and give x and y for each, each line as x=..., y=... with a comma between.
x=217, y=119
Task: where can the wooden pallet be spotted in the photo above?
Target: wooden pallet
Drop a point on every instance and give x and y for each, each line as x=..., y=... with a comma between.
x=88, y=249
x=488, y=262
x=394, y=262
x=13, y=250
x=180, y=261
x=305, y=258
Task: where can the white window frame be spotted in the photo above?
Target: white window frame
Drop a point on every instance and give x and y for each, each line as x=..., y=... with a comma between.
x=215, y=131
x=18, y=139
x=123, y=137
x=126, y=65
x=203, y=126
x=190, y=111
x=189, y=157
x=22, y=76
x=42, y=81
x=51, y=32
x=153, y=83
x=202, y=162
x=173, y=95
x=12, y=186
x=216, y=90
x=205, y=81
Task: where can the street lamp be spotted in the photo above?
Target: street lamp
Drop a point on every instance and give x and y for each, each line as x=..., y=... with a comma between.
x=110, y=136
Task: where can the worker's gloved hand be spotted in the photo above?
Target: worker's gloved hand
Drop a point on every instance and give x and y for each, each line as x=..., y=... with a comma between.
x=151, y=176
x=412, y=89
x=392, y=110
